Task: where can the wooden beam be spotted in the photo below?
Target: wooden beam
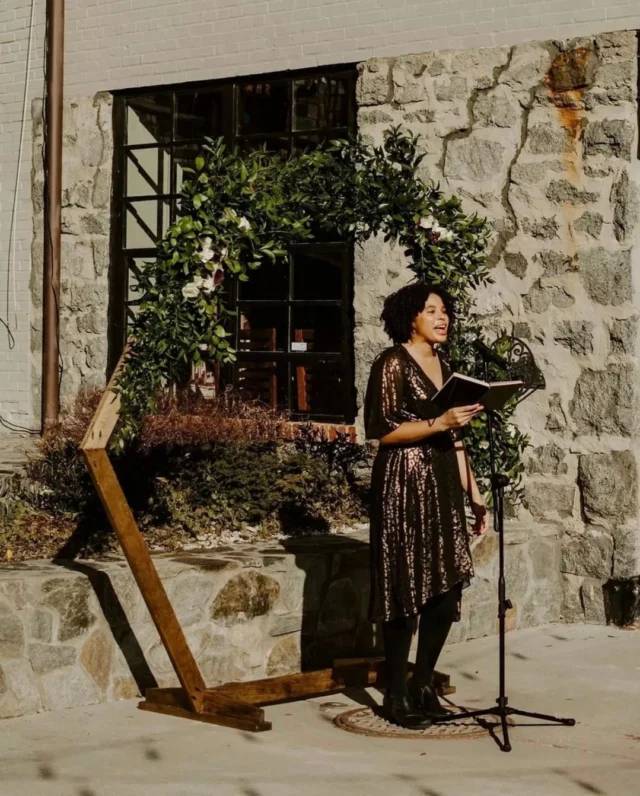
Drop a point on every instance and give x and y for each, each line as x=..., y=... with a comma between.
x=273, y=690
x=346, y=673
x=237, y=723
x=146, y=575
x=106, y=417
x=227, y=711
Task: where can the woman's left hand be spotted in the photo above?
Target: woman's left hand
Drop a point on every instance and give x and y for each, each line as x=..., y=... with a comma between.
x=481, y=524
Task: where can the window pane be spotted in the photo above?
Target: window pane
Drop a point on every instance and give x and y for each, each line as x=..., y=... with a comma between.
x=267, y=283
x=200, y=114
x=318, y=275
x=262, y=381
x=317, y=329
x=149, y=119
x=263, y=329
x=321, y=102
x=148, y=172
x=264, y=108
x=145, y=222
x=319, y=388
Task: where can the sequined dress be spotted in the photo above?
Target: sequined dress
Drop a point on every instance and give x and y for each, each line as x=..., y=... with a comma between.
x=419, y=539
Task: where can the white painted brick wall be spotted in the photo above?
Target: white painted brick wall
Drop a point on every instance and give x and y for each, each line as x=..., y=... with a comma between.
x=112, y=44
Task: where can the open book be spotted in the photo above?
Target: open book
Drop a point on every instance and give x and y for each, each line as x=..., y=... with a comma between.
x=461, y=390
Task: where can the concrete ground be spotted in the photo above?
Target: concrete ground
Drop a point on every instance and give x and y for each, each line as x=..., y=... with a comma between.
x=589, y=672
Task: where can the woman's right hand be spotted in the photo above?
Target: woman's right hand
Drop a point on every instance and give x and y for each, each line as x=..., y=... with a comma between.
x=459, y=416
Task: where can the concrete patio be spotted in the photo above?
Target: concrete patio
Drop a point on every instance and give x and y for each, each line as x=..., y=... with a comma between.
x=589, y=672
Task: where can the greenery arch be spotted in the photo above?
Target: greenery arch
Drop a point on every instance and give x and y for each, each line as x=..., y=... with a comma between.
x=242, y=211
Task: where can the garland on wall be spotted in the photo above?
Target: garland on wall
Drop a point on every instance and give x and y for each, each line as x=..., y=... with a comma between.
x=240, y=212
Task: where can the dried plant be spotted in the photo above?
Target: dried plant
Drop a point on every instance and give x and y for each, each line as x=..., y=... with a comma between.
x=186, y=419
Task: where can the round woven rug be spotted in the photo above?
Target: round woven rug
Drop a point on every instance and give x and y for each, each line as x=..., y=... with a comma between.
x=364, y=721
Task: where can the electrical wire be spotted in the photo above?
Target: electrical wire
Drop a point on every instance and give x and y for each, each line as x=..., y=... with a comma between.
x=11, y=261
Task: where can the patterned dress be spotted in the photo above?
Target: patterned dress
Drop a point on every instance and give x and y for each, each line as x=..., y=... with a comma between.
x=419, y=539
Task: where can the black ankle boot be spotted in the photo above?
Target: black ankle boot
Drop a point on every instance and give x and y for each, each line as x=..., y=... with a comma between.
x=426, y=699
x=402, y=711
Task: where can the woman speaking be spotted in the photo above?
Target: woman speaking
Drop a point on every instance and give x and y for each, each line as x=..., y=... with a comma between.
x=420, y=556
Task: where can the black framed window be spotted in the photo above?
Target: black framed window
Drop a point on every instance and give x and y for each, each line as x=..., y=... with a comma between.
x=293, y=330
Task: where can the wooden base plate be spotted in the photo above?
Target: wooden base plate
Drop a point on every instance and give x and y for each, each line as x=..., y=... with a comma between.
x=239, y=705
x=209, y=718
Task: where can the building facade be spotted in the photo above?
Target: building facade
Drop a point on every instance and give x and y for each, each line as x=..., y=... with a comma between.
x=528, y=112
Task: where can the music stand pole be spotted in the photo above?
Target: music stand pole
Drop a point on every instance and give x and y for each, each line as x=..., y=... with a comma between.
x=499, y=481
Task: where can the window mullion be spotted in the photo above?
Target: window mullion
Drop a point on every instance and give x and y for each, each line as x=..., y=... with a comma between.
x=291, y=116
x=289, y=332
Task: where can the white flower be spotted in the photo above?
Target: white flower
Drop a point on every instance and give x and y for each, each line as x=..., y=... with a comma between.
x=203, y=347
x=484, y=445
x=244, y=224
x=192, y=290
x=445, y=234
x=428, y=222
x=209, y=285
x=206, y=255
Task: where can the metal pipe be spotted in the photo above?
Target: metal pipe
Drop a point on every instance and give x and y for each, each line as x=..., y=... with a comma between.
x=52, y=213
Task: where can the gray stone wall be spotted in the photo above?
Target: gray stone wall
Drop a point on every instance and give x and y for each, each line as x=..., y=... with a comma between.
x=81, y=635
x=86, y=217
x=542, y=139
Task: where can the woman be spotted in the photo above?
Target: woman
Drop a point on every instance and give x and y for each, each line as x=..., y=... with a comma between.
x=419, y=543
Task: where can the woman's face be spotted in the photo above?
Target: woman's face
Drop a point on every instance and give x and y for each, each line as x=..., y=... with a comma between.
x=432, y=324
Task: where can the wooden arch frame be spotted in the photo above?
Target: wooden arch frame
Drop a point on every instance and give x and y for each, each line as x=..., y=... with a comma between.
x=239, y=704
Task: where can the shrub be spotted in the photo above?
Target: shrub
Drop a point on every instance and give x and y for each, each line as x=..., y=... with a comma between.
x=199, y=467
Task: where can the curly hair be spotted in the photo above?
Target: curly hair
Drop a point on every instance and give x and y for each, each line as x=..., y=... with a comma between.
x=402, y=307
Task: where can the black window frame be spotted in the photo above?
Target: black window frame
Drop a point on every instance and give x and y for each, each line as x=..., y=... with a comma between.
x=121, y=305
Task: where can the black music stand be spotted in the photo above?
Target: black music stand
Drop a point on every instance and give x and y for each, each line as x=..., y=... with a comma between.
x=520, y=365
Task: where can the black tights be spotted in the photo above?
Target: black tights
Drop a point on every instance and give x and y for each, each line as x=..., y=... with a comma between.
x=436, y=617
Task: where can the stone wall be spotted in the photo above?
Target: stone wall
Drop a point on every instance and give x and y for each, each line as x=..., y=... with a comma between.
x=542, y=139
x=80, y=634
x=86, y=218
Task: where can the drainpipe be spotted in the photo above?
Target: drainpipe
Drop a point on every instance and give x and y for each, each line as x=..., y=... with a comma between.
x=52, y=212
